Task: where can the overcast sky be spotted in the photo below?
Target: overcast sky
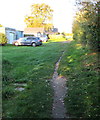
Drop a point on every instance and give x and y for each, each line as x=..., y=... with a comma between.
x=12, y=13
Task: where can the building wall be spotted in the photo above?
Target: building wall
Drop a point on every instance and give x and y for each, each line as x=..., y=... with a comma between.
x=19, y=34
x=11, y=34
x=33, y=34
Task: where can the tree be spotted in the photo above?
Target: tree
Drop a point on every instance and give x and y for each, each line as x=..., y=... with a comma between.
x=86, y=24
x=41, y=16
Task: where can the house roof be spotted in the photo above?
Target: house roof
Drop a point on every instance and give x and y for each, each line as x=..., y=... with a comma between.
x=33, y=30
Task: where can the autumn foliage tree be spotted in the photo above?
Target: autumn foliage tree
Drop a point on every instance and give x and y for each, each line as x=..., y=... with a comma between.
x=41, y=16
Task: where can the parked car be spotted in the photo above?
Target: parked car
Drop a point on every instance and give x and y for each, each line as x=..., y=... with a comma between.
x=33, y=41
x=44, y=38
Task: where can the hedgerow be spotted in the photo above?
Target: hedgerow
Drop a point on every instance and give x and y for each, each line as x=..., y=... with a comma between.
x=86, y=28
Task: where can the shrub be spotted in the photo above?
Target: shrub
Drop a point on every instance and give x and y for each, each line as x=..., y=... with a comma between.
x=3, y=39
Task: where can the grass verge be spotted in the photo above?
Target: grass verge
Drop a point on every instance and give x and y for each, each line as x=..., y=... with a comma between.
x=81, y=67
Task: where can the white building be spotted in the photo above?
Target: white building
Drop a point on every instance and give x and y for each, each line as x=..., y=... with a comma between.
x=11, y=34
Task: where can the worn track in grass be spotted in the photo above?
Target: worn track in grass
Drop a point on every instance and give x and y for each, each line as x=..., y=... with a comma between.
x=59, y=87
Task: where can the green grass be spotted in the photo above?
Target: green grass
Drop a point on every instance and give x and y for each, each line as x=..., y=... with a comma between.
x=56, y=38
x=33, y=66
x=80, y=67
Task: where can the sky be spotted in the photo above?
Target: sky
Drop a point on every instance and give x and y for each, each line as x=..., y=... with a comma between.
x=13, y=12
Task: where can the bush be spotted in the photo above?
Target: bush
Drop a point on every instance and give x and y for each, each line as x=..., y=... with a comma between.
x=3, y=39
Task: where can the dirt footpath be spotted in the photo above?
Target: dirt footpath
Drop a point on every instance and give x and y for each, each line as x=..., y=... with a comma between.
x=59, y=87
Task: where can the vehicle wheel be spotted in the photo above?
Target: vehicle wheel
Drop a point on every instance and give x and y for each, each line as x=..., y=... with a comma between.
x=16, y=44
x=33, y=44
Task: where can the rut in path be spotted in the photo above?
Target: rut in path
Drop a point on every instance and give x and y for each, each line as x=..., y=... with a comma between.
x=59, y=87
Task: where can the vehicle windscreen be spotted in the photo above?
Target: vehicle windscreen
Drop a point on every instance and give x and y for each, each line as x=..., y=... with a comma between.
x=21, y=39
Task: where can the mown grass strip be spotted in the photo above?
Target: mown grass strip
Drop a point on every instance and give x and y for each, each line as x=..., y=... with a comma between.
x=35, y=67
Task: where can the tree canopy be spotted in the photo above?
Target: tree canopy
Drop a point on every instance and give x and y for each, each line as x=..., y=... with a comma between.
x=41, y=16
x=86, y=24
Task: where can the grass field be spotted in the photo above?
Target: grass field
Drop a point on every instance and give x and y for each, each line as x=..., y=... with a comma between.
x=81, y=67
x=33, y=66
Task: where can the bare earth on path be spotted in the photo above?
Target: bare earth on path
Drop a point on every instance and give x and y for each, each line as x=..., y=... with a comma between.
x=59, y=87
